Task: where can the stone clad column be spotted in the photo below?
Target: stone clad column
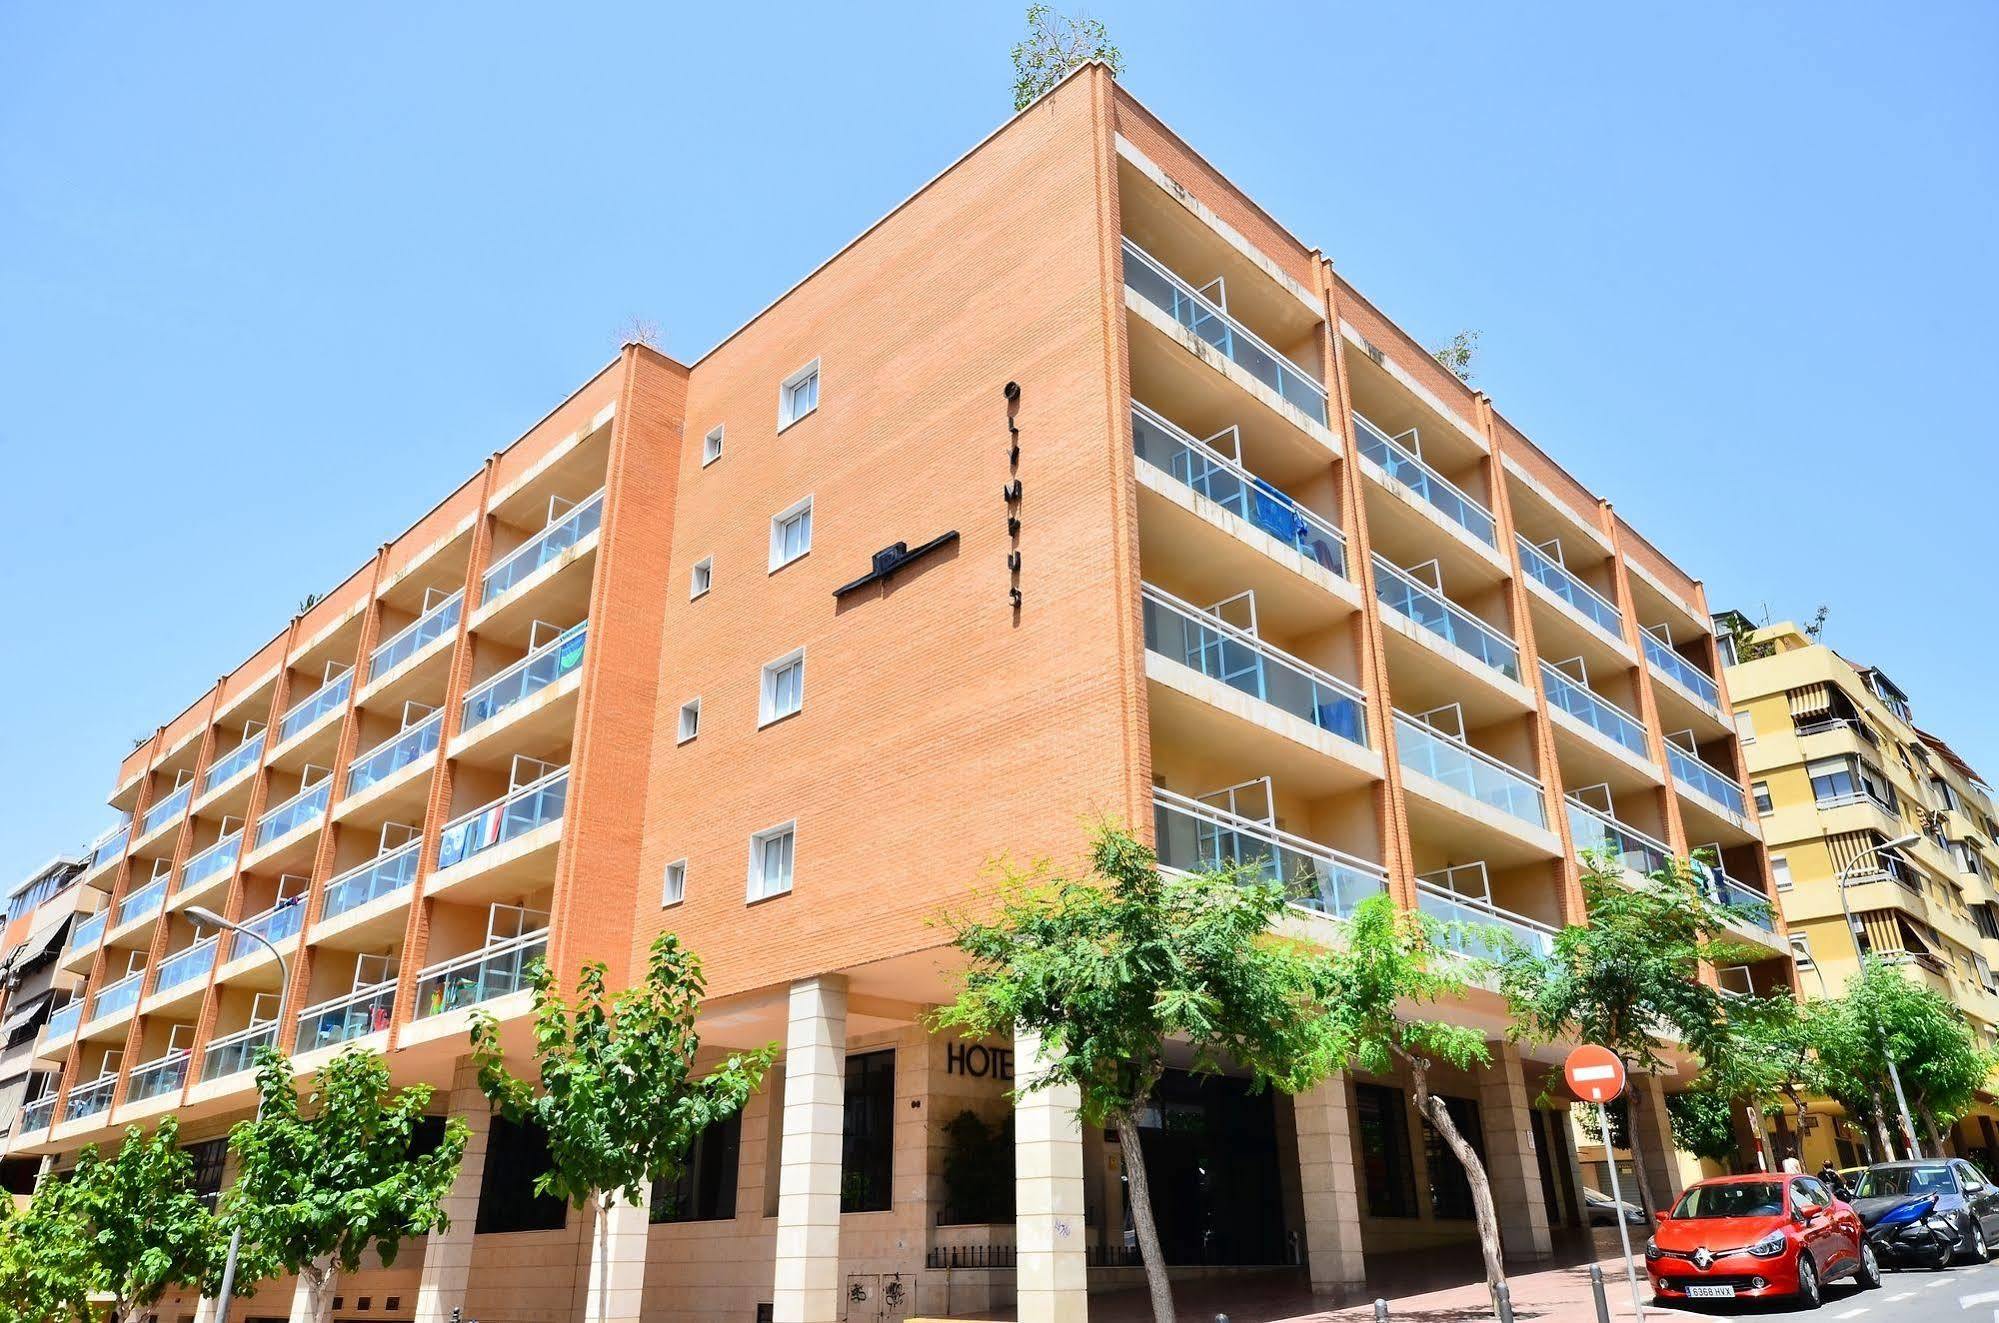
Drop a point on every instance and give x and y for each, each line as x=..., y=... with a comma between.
x=447, y=1254
x=807, y=1287
x=1517, y=1196
x=1662, y=1161
x=616, y=1289
x=1329, y=1188
x=1048, y=1195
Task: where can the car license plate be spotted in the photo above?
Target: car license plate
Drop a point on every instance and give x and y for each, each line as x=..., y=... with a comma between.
x=1711, y=1292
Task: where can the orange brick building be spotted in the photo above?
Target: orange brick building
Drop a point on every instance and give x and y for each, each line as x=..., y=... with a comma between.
x=1075, y=487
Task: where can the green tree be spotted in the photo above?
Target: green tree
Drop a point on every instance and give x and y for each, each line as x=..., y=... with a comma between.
x=1055, y=44
x=45, y=1260
x=323, y=1181
x=1392, y=966
x=1763, y=1059
x=618, y=1096
x=1458, y=354
x=1107, y=968
x=1629, y=977
x=1703, y=1119
x=1882, y=1016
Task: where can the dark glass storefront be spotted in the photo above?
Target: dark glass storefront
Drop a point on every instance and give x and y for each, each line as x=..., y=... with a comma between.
x=1211, y=1161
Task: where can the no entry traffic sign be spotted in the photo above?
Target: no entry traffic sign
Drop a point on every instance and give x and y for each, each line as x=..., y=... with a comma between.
x=1594, y=1073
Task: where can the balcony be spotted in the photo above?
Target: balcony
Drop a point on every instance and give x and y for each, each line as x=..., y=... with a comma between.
x=36, y=1115
x=1598, y=833
x=1584, y=600
x=310, y=710
x=233, y=764
x=1745, y=902
x=1209, y=473
x=87, y=934
x=1705, y=781
x=1671, y=666
x=144, y=902
x=109, y=850
x=1192, y=836
x=1598, y=713
x=1478, y=928
x=62, y=1024
x=578, y=523
x=89, y=1099
x=352, y=1015
x=1428, y=484
x=162, y=1075
x=1423, y=605
x=380, y=876
x=1451, y=762
x=1201, y=642
x=395, y=753
x=1152, y=281
x=166, y=811
x=533, y=805
x=414, y=637
x=216, y=861
x=527, y=677
x=275, y=924
x=308, y=806
x=237, y=1051
x=115, y=998
x=185, y=966
x=490, y=972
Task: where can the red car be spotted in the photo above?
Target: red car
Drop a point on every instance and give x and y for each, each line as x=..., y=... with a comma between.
x=1758, y=1237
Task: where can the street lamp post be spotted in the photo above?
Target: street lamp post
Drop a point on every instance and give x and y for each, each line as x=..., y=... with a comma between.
x=1847, y=877
x=214, y=920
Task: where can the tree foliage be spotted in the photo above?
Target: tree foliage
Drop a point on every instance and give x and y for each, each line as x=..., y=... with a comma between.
x=1703, y=1120
x=1458, y=354
x=1055, y=44
x=1881, y=1016
x=1108, y=967
x=618, y=1096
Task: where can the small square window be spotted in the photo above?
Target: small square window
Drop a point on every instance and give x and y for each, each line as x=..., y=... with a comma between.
x=1801, y=950
x=798, y=395
x=673, y=889
x=1761, y=789
x=1780, y=872
x=790, y=534
x=770, y=861
x=783, y=688
x=711, y=447
x=690, y=719
x=702, y=579
x=1745, y=727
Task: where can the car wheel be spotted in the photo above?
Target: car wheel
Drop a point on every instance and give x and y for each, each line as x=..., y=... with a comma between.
x=1869, y=1275
x=1977, y=1251
x=1809, y=1294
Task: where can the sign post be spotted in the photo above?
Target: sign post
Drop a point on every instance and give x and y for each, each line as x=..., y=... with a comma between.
x=1595, y=1075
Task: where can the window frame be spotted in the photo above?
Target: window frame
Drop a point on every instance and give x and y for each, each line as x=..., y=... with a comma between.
x=712, y=442
x=766, y=712
x=673, y=884
x=787, y=395
x=791, y=514
x=689, y=728
x=761, y=841
x=701, y=579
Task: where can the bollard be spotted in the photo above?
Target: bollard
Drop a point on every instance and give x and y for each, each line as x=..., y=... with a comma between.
x=1596, y=1290
x=1502, y=1298
x=1380, y=1310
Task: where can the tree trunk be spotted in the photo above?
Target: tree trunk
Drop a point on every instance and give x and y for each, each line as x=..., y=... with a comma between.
x=1433, y=1108
x=1765, y=1159
x=1157, y=1284
x=1638, y=1172
x=1929, y=1121
x=1881, y=1126
x=319, y=1278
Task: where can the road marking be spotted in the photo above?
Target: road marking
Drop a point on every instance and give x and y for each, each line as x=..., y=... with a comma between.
x=1982, y=1298
x=1852, y=1313
x=1906, y=1295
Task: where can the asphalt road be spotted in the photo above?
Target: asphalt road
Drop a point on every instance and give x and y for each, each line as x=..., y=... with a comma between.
x=1907, y=1296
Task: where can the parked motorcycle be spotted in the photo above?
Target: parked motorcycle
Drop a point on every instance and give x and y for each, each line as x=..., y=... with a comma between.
x=1907, y=1231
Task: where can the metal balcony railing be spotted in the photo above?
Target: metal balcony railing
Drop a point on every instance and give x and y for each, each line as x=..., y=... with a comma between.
x=185, y=966
x=1479, y=928
x=395, y=753
x=110, y=849
x=309, y=710
x=346, y=1017
x=237, y=761
x=415, y=636
x=1670, y=664
x=89, y=1099
x=119, y=996
x=1749, y=904
x=1193, y=836
x=307, y=806
x=36, y=1115
x=481, y=975
x=533, y=673
x=275, y=924
x=1704, y=780
x=160, y=814
x=63, y=1022
x=1159, y=286
x=90, y=931
x=1425, y=749
x=161, y=1075
x=1598, y=713
x=391, y=871
x=1435, y=489
x=146, y=900
x=1558, y=579
x=1597, y=832
x=1417, y=601
x=237, y=1051
x=520, y=812
x=579, y=522
x=1185, y=634
x=217, y=859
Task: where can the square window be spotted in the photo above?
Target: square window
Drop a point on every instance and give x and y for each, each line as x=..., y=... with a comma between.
x=711, y=447
x=790, y=534
x=702, y=579
x=673, y=888
x=1745, y=727
x=1761, y=789
x=783, y=688
x=770, y=861
x=1801, y=950
x=690, y=719
x=798, y=395
x=1780, y=872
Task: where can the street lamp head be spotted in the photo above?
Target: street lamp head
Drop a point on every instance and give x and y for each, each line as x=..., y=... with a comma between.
x=207, y=918
x=1900, y=841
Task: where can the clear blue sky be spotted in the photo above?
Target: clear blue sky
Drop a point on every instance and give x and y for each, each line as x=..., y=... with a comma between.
x=273, y=278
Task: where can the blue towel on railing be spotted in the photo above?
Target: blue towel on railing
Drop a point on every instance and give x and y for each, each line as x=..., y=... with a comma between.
x=1275, y=513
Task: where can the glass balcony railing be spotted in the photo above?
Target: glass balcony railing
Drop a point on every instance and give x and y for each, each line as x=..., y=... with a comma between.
x=414, y=637
x=232, y=764
x=215, y=861
x=307, y=806
x=1233, y=487
x=530, y=675
x=1426, y=749
x=142, y=902
x=1599, y=714
x=578, y=523
x=1665, y=661
x=1595, y=832
x=186, y=966
x=168, y=809
x=378, y=877
x=307, y=711
x=1240, y=660
x=63, y=1022
x=238, y=1051
x=118, y=996
x=1409, y=596
x=1557, y=579
x=1478, y=928
x=1704, y=780
x=1747, y=903
x=484, y=974
x=1383, y=450
x=37, y=1115
x=110, y=849
x=1195, y=311
x=165, y=1074
x=280, y=921
x=395, y=753
x=353, y=1015
x=89, y=1099
x=1192, y=836
x=533, y=805
x=90, y=931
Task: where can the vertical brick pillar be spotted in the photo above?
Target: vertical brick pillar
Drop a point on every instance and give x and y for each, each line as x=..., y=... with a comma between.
x=447, y=1254
x=807, y=1287
x=616, y=1289
x=1048, y=1195
x=1510, y=1163
x=1329, y=1188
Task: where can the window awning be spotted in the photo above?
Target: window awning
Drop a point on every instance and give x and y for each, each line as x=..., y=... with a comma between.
x=38, y=944
x=19, y=1020
x=1811, y=700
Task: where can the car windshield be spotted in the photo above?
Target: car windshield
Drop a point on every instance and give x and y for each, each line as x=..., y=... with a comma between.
x=1932, y=1178
x=1734, y=1199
